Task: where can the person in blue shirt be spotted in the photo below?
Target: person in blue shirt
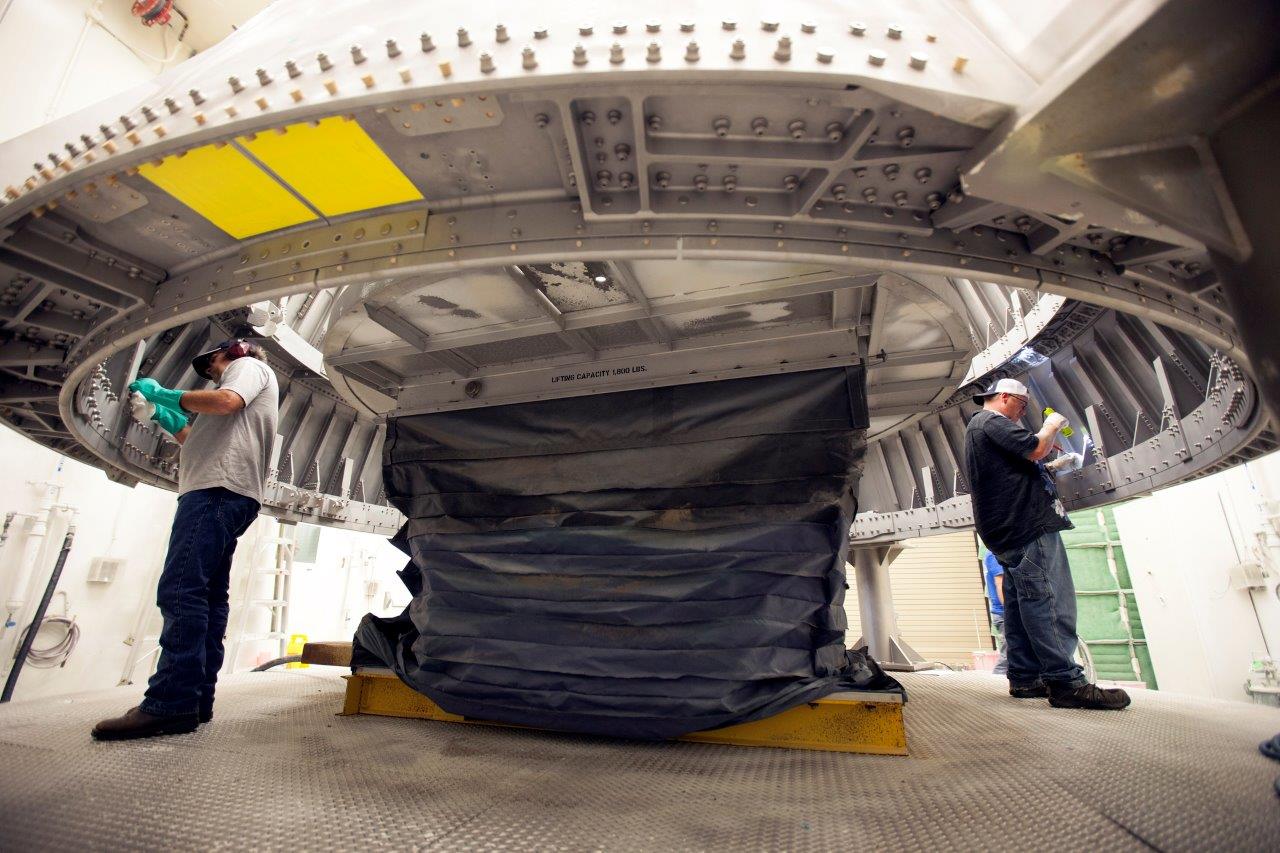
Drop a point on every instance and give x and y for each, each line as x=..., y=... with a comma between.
x=995, y=594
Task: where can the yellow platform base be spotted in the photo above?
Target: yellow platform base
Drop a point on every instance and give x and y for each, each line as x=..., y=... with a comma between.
x=843, y=722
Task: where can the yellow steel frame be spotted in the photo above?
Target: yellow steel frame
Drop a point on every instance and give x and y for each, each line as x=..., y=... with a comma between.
x=845, y=722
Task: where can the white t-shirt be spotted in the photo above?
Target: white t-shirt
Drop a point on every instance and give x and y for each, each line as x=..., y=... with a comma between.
x=234, y=451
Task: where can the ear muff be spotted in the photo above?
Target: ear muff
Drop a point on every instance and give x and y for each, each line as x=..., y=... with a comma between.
x=239, y=349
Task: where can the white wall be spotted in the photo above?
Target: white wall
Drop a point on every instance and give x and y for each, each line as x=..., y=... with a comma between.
x=1181, y=545
x=116, y=521
x=59, y=56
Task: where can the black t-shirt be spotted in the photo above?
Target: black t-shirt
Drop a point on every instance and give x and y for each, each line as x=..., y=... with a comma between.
x=1015, y=500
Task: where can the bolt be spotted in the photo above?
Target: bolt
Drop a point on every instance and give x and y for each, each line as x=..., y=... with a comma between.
x=960, y=63
x=790, y=182
x=619, y=28
x=663, y=179
x=149, y=114
x=739, y=50
x=808, y=27
x=71, y=149
x=769, y=26
x=869, y=195
x=264, y=79
x=700, y=183
x=919, y=61
x=835, y=131
x=615, y=116
x=686, y=26
x=126, y=122
x=900, y=198
x=857, y=28
x=357, y=54
x=236, y=86
x=464, y=37
x=323, y=59
x=427, y=44
x=895, y=31
x=906, y=136
x=615, y=54
x=626, y=180
x=826, y=55
x=579, y=55
x=721, y=126
x=530, y=61
x=797, y=129
x=540, y=33
x=622, y=150
x=783, y=53
x=107, y=132
x=691, y=52
x=486, y=63
x=839, y=192
x=603, y=177
x=877, y=57
x=729, y=25
x=730, y=183
x=500, y=33
x=654, y=123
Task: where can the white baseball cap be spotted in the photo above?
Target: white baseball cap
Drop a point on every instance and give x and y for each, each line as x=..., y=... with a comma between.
x=1004, y=386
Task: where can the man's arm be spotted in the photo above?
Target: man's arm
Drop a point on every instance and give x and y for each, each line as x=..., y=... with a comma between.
x=219, y=401
x=181, y=436
x=1046, y=437
x=999, y=585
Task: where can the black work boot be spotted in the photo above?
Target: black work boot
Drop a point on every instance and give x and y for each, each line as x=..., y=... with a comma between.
x=1088, y=696
x=136, y=723
x=1032, y=691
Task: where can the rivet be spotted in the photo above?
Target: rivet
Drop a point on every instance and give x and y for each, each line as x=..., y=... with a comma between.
x=769, y=26
x=619, y=28
x=530, y=61
x=170, y=103
x=808, y=27
x=877, y=57
x=331, y=87
x=406, y=76
x=919, y=61
x=464, y=37
x=292, y=69
x=686, y=26
x=264, y=79
x=826, y=55
x=857, y=28
x=652, y=27
x=586, y=30
x=796, y=128
x=296, y=94
x=427, y=44
x=500, y=33
x=126, y=123
x=579, y=55
x=729, y=25
x=107, y=132
x=835, y=131
x=446, y=69
x=691, y=52
x=654, y=54
x=357, y=54
x=894, y=31
x=959, y=64
x=486, y=63
x=540, y=33
x=739, y=50
x=262, y=103
x=323, y=60
x=783, y=53
x=615, y=54
x=236, y=87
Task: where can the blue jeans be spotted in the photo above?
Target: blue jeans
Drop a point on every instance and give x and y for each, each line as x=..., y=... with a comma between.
x=192, y=597
x=1040, y=614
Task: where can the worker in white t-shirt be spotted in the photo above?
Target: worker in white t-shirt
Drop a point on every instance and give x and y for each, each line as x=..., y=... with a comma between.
x=221, y=474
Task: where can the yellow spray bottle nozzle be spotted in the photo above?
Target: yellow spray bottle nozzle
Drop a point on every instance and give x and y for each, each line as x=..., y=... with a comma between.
x=1067, y=431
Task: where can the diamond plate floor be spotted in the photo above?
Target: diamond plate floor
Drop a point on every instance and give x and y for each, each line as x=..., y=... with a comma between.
x=278, y=770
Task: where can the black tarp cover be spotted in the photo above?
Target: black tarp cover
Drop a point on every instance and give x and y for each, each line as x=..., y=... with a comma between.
x=641, y=564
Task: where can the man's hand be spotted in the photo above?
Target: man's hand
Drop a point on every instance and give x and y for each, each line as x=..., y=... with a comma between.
x=170, y=421
x=143, y=410
x=1066, y=462
x=1056, y=422
x=157, y=393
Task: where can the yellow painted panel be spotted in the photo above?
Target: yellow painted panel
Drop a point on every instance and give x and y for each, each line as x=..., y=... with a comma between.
x=226, y=188
x=334, y=165
x=830, y=724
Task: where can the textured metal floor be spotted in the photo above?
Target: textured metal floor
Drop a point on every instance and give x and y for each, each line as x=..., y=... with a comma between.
x=277, y=770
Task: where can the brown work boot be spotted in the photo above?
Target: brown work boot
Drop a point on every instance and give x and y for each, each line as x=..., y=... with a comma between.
x=136, y=723
x=1029, y=691
x=1088, y=696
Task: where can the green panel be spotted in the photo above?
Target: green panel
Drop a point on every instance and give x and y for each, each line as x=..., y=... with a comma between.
x=1099, y=615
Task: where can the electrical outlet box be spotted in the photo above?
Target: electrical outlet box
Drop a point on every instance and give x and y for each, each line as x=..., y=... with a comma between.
x=105, y=569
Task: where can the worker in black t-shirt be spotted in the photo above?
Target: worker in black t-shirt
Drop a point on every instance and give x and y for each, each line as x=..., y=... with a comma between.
x=1018, y=515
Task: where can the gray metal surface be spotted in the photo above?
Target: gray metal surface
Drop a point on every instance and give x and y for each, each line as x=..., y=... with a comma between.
x=904, y=148
x=278, y=770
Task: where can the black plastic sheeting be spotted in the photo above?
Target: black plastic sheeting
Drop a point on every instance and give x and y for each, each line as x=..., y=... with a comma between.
x=639, y=564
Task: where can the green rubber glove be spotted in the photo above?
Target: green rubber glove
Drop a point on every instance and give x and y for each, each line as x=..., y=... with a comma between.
x=170, y=421
x=157, y=393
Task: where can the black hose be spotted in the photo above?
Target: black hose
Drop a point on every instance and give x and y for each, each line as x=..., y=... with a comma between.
x=25, y=648
x=277, y=662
